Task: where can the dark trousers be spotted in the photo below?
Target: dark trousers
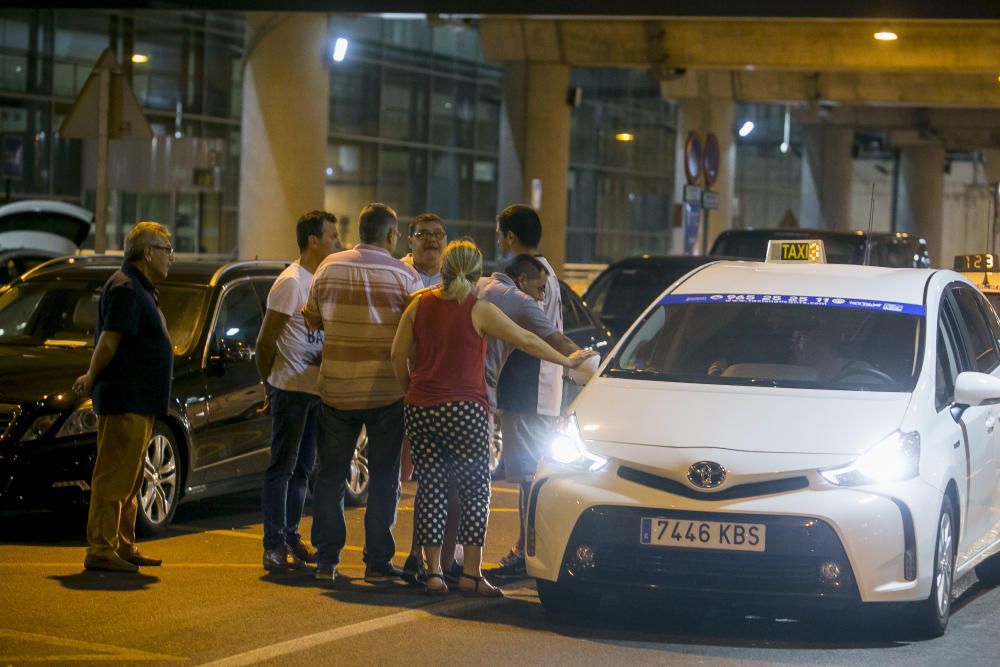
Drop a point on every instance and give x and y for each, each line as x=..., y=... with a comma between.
x=293, y=452
x=338, y=432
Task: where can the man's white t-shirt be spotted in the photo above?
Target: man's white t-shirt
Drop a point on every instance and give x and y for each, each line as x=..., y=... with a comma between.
x=550, y=376
x=299, y=350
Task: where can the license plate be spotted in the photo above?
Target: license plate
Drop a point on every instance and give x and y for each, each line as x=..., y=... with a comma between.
x=702, y=534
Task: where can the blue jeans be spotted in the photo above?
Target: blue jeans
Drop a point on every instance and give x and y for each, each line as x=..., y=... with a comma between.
x=293, y=453
x=338, y=435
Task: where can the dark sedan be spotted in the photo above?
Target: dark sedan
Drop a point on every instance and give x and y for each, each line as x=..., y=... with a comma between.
x=215, y=438
x=623, y=290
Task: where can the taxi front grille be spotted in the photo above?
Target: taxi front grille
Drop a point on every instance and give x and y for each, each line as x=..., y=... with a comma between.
x=739, y=491
x=8, y=415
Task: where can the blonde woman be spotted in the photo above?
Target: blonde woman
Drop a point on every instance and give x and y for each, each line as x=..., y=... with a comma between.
x=446, y=404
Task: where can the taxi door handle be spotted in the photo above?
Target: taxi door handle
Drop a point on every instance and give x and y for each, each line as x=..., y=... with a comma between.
x=991, y=424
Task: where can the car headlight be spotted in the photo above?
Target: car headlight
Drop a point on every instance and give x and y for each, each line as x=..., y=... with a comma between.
x=568, y=449
x=894, y=459
x=39, y=427
x=83, y=420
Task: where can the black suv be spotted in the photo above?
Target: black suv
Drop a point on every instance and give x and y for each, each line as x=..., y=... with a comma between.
x=214, y=440
x=623, y=290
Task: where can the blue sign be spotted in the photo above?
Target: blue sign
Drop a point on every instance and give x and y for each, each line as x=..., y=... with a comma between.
x=797, y=300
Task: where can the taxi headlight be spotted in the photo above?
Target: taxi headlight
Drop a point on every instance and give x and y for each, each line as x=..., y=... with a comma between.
x=894, y=459
x=82, y=421
x=567, y=448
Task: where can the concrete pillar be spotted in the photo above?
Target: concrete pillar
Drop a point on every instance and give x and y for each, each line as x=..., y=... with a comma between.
x=827, y=172
x=286, y=88
x=921, y=197
x=534, y=147
x=704, y=116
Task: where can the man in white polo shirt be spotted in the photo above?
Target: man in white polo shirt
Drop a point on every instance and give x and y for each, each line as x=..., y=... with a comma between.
x=288, y=358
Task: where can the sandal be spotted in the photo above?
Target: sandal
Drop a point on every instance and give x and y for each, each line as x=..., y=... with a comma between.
x=479, y=591
x=442, y=590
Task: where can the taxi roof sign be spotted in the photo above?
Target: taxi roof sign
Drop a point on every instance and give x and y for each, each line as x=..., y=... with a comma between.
x=798, y=251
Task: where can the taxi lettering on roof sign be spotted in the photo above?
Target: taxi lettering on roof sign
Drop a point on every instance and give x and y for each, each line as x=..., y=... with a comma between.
x=782, y=251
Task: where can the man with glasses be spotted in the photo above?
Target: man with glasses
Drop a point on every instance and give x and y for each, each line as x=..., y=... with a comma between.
x=129, y=377
x=427, y=240
x=357, y=297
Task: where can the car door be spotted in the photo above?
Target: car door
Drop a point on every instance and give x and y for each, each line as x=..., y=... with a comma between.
x=237, y=432
x=977, y=352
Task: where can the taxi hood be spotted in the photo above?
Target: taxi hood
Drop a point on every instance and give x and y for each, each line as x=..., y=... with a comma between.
x=613, y=411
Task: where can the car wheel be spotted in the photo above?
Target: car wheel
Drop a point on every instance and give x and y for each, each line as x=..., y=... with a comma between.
x=161, y=482
x=931, y=615
x=356, y=492
x=559, y=599
x=496, y=452
x=988, y=572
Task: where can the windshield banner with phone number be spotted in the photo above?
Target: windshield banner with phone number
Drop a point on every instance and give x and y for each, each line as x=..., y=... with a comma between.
x=795, y=300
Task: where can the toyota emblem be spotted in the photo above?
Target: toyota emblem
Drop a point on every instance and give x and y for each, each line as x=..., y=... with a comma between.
x=706, y=474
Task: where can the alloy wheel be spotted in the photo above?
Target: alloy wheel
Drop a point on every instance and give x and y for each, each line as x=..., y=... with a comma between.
x=159, y=483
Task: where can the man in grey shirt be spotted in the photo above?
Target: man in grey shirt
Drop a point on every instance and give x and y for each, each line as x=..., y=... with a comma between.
x=518, y=293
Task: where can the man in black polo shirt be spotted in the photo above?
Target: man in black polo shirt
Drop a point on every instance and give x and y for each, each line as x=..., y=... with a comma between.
x=129, y=377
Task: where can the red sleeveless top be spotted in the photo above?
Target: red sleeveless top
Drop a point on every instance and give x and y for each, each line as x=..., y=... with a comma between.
x=450, y=358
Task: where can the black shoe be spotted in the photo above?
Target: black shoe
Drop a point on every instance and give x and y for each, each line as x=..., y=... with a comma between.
x=414, y=572
x=511, y=565
x=302, y=550
x=326, y=573
x=377, y=573
x=110, y=563
x=452, y=574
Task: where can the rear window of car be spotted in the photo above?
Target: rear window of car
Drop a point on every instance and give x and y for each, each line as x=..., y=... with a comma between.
x=803, y=342
x=63, y=313
x=620, y=295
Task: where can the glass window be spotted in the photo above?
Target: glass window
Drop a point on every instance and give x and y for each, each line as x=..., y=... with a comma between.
x=404, y=105
x=488, y=119
x=354, y=98
x=402, y=181
x=239, y=318
x=980, y=344
x=947, y=364
x=773, y=345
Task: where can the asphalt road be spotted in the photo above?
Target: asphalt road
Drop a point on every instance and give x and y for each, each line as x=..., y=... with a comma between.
x=211, y=602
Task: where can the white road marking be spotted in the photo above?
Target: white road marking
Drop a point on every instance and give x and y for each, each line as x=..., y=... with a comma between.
x=280, y=649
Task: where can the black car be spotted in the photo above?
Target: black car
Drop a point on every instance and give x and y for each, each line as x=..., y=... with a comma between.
x=891, y=249
x=215, y=438
x=622, y=291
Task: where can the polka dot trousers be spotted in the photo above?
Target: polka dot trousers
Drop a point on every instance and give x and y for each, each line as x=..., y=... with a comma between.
x=447, y=441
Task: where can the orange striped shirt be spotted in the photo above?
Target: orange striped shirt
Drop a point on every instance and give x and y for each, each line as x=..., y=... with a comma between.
x=358, y=296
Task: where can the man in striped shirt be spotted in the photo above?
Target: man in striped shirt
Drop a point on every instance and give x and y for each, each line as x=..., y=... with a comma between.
x=357, y=297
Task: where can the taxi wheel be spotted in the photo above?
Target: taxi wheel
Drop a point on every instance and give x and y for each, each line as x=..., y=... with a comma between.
x=930, y=616
x=988, y=572
x=559, y=599
x=161, y=479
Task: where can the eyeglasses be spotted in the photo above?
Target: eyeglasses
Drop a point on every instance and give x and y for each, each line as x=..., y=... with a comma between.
x=423, y=236
x=169, y=250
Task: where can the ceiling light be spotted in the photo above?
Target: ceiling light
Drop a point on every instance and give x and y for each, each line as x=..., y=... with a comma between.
x=624, y=136
x=140, y=58
x=339, y=50
x=746, y=128
x=886, y=36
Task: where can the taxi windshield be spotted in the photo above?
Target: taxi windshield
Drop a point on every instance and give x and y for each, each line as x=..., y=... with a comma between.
x=806, y=342
x=63, y=313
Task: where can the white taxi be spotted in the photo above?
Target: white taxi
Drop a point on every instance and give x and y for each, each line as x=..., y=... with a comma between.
x=802, y=430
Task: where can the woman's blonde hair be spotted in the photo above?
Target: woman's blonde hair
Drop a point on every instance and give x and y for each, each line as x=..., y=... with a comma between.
x=461, y=266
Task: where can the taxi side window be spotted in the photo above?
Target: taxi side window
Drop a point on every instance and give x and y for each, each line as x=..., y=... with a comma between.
x=991, y=315
x=980, y=343
x=947, y=359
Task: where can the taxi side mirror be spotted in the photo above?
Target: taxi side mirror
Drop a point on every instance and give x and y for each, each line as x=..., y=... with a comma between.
x=972, y=389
